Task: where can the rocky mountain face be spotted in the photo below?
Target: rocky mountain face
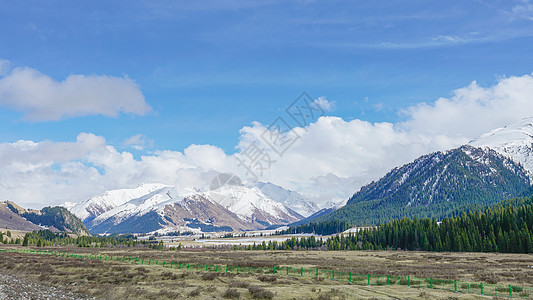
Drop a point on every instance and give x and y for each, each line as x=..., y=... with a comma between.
x=151, y=207
x=437, y=185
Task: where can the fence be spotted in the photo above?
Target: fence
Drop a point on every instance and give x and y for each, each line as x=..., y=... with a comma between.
x=366, y=279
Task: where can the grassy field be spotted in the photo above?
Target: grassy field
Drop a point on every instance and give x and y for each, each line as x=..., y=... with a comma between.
x=106, y=279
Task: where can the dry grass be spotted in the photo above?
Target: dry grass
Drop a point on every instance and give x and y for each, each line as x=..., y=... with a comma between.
x=112, y=279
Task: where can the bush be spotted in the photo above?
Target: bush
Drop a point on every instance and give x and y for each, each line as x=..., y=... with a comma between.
x=239, y=284
x=196, y=292
x=260, y=293
x=231, y=293
x=265, y=278
x=209, y=276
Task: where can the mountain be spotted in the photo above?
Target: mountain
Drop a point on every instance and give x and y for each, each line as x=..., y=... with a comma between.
x=54, y=218
x=436, y=185
x=151, y=207
x=13, y=221
x=290, y=199
x=99, y=204
x=514, y=141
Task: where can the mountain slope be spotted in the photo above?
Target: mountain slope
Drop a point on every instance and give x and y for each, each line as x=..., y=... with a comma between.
x=514, y=141
x=13, y=221
x=290, y=199
x=436, y=185
x=55, y=218
x=99, y=204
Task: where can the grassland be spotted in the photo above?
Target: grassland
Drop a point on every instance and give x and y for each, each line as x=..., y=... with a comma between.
x=113, y=280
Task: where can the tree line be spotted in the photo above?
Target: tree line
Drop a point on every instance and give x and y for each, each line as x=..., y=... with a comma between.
x=506, y=227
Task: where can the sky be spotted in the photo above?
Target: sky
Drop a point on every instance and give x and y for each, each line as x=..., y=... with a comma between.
x=99, y=95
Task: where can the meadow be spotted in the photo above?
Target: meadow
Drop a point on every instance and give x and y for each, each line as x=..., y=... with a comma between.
x=117, y=279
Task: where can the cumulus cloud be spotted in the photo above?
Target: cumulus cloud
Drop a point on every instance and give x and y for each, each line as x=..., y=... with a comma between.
x=41, y=98
x=325, y=104
x=473, y=110
x=329, y=160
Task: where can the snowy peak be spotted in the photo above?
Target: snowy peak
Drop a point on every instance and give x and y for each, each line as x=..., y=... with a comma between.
x=151, y=207
x=514, y=141
x=290, y=199
x=251, y=204
x=99, y=204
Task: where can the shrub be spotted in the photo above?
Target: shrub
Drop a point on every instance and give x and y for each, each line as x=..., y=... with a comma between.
x=196, y=292
x=260, y=293
x=209, y=276
x=239, y=284
x=265, y=278
x=231, y=293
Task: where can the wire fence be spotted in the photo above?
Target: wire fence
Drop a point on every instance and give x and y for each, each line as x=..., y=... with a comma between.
x=362, y=279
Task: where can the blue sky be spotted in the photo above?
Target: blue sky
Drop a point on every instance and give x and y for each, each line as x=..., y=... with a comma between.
x=208, y=68
x=202, y=72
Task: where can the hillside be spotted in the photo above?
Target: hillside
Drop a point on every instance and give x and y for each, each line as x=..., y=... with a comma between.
x=436, y=185
x=13, y=221
x=54, y=218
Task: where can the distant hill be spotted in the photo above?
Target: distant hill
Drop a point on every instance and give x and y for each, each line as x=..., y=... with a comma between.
x=56, y=218
x=13, y=221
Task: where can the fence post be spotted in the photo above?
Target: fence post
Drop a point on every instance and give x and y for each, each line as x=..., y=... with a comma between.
x=171, y=264
x=249, y=269
x=216, y=268
x=226, y=269
x=274, y=270
x=332, y=274
x=409, y=281
x=350, y=276
x=368, y=279
x=387, y=279
x=287, y=271
x=302, y=272
x=455, y=284
x=481, y=288
x=430, y=283
x=237, y=269
x=510, y=292
x=317, y=272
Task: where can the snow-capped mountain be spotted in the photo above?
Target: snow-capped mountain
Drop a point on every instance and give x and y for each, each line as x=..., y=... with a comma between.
x=251, y=204
x=514, y=141
x=436, y=185
x=290, y=199
x=99, y=204
x=150, y=207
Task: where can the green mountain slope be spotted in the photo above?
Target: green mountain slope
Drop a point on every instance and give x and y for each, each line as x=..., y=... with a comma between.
x=58, y=218
x=436, y=185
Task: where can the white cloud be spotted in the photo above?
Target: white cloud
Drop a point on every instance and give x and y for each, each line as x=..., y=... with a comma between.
x=5, y=66
x=323, y=103
x=473, y=110
x=331, y=160
x=41, y=98
x=138, y=142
